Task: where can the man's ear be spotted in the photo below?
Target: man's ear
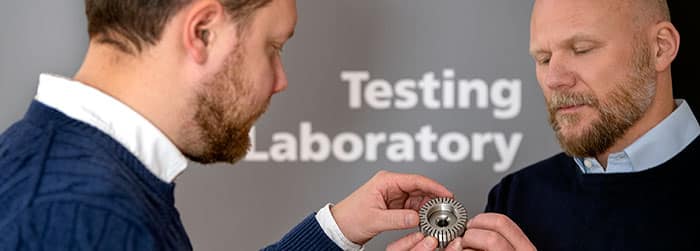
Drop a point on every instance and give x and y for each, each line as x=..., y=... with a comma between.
x=665, y=45
x=199, y=28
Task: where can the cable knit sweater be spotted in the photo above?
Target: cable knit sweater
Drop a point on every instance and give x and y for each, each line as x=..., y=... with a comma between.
x=65, y=185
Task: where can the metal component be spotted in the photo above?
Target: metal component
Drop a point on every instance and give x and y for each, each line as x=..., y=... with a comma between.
x=443, y=218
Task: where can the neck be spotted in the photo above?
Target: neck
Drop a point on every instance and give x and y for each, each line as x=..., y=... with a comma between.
x=131, y=80
x=661, y=107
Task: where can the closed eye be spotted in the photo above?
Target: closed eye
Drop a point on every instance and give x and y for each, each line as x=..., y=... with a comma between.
x=544, y=60
x=274, y=50
x=582, y=51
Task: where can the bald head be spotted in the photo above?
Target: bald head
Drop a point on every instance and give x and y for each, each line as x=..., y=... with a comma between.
x=647, y=12
x=656, y=9
x=640, y=13
x=610, y=61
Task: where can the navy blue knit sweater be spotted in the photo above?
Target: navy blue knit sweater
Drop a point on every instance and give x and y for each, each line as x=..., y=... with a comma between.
x=560, y=208
x=65, y=185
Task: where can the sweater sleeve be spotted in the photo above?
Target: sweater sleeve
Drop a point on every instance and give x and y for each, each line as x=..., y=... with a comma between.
x=73, y=226
x=308, y=235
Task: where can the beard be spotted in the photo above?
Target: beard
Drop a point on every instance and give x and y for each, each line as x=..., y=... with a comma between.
x=617, y=112
x=224, y=114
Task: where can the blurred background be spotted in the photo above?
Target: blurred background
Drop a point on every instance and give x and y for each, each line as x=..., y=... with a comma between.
x=383, y=46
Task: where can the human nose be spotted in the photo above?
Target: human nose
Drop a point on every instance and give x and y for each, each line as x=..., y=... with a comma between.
x=281, y=81
x=559, y=74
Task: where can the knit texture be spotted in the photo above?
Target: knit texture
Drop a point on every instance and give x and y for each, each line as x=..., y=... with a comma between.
x=65, y=185
x=560, y=208
x=308, y=235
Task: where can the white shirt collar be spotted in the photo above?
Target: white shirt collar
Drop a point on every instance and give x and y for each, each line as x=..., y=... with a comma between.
x=91, y=106
x=655, y=147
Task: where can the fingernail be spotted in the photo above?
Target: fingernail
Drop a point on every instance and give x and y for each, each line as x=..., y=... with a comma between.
x=418, y=236
x=429, y=242
x=411, y=220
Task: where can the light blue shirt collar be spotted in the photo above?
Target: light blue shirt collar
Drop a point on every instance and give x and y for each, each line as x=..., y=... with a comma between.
x=655, y=147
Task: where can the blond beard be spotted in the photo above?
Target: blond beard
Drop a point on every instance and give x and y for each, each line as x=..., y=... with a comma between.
x=619, y=111
x=222, y=118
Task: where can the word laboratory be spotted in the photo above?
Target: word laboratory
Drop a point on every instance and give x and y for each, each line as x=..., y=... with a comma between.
x=425, y=145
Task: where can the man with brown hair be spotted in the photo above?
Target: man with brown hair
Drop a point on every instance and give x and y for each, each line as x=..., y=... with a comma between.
x=629, y=169
x=91, y=165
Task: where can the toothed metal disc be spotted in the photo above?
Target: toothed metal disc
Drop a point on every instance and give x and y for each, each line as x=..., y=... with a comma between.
x=443, y=218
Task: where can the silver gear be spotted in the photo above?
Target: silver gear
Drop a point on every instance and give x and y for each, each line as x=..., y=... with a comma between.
x=443, y=218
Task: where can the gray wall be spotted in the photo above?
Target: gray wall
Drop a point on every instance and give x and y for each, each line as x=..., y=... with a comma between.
x=253, y=203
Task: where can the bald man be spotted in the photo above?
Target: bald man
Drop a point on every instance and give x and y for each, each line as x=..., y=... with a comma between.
x=627, y=173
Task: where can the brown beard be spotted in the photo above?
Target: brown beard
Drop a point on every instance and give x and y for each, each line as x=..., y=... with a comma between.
x=619, y=111
x=223, y=118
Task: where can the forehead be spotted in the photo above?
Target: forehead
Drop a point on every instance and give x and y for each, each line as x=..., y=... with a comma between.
x=279, y=16
x=554, y=20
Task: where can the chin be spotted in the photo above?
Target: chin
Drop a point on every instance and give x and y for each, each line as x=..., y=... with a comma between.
x=574, y=132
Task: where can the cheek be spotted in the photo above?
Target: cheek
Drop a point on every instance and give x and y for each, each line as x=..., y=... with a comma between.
x=605, y=72
x=605, y=82
x=261, y=79
x=540, y=73
x=266, y=78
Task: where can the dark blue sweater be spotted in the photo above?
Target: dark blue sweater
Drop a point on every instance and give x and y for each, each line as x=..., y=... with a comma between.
x=65, y=185
x=560, y=208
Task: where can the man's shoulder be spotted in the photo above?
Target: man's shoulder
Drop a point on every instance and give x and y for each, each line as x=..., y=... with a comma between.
x=552, y=171
x=22, y=154
x=535, y=180
x=553, y=165
x=30, y=149
x=20, y=136
x=44, y=130
x=692, y=149
x=48, y=164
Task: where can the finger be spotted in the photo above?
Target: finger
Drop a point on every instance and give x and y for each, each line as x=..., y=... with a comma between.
x=427, y=244
x=394, y=219
x=416, y=201
x=481, y=239
x=455, y=245
x=503, y=225
x=425, y=200
x=411, y=182
x=406, y=242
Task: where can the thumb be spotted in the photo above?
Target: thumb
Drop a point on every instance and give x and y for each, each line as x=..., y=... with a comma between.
x=395, y=219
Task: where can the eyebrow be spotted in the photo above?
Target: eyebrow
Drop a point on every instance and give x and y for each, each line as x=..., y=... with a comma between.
x=538, y=52
x=580, y=37
x=576, y=37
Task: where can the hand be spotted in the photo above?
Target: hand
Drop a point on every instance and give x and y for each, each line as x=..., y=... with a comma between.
x=488, y=231
x=492, y=231
x=388, y=201
x=414, y=242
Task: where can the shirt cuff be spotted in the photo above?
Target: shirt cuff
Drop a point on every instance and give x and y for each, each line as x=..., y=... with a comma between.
x=330, y=227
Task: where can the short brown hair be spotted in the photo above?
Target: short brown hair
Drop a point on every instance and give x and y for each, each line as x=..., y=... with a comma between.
x=131, y=25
